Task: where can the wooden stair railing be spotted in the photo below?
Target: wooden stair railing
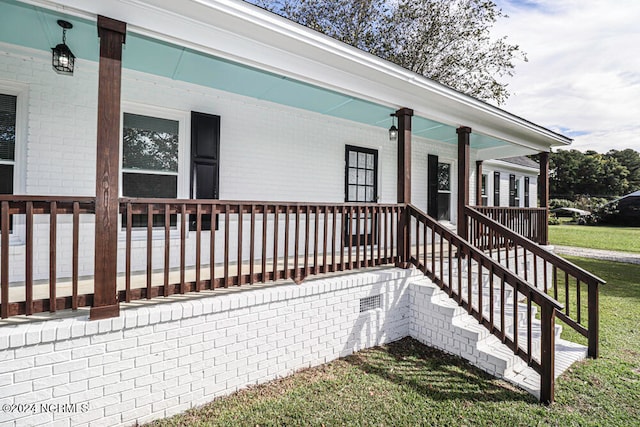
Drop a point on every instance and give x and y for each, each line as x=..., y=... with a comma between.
x=444, y=257
x=544, y=270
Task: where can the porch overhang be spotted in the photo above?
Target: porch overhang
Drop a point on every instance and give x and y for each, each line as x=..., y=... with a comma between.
x=236, y=47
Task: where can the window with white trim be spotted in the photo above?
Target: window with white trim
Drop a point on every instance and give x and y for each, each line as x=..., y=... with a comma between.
x=484, y=192
x=150, y=161
x=7, y=142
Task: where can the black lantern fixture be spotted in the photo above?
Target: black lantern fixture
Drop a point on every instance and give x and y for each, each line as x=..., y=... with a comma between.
x=393, y=130
x=63, y=59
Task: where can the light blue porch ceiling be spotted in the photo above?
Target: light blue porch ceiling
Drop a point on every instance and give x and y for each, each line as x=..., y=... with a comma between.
x=34, y=27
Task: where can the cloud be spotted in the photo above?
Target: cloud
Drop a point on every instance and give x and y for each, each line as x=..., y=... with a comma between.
x=583, y=73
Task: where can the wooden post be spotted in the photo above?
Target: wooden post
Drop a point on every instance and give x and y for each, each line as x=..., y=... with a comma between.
x=464, y=134
x=112, y=35
x=479, y=183
x=544, y=196
x=547, y=353
x=404, y=183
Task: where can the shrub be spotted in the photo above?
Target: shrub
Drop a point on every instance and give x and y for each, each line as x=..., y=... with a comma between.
x=554, y=220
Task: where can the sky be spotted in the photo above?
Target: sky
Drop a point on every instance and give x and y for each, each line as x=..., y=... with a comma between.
x=582, y=77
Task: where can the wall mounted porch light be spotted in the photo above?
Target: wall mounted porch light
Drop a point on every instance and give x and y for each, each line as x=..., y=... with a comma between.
x=393, y=130
x=63, y=59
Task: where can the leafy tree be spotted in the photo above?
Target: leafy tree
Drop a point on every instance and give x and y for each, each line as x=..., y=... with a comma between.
x=631, y=160
x=446, y=40
x=574, y=173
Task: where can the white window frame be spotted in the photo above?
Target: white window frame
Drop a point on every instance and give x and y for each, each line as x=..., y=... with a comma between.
x=184, y=153
x=21, y=92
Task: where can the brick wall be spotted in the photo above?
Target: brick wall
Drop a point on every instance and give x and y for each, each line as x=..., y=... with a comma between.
x=156, y=361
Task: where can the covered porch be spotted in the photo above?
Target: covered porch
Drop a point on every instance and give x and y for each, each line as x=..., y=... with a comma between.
x=297, y=177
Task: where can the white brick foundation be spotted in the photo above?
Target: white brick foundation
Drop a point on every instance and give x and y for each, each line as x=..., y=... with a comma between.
x=155, y=361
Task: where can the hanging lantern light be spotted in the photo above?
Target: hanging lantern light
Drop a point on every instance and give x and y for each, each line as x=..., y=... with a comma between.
x=63, y=59
x=393, y=130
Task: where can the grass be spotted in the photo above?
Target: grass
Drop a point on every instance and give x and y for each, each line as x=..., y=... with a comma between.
x=406, y=383
x=626, y=239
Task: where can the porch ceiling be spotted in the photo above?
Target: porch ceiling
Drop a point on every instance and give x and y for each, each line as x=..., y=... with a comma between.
x=34, y=27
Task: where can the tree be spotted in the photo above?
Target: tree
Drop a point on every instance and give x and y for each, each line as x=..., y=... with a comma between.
x=631, y=160
x=446, y=40
x=573, y=173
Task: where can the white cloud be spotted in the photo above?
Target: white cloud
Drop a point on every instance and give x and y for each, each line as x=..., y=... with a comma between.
x=583, y=74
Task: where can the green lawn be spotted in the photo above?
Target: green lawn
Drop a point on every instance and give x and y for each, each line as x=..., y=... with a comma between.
x=408, y=384
x=625, y=239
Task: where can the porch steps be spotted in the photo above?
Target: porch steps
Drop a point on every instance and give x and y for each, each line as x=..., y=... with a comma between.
x=440, y=322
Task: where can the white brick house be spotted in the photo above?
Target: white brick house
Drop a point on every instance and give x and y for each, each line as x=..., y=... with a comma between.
x=228, y=146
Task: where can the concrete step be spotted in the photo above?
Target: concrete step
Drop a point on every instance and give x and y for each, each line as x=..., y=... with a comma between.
x=440, y=322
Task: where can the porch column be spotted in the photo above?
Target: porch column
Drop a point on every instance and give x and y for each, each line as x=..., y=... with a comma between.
x=404, y=182
x=464, y=136
x=543, y=189
x=479, y=183
x=112, y=36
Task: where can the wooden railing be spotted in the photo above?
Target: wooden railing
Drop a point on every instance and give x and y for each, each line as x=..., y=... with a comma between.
x=23, y=210
x=176, y=246
x=556, y=276
x=528, y=222
x=250, y=242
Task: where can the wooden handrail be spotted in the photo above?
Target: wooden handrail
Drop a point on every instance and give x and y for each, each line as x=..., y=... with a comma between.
x=492, y=236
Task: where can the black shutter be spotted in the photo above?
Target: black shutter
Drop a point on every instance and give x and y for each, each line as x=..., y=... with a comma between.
x=432, y=186
x=205, y=160
x=526, y=191
x=496, y=189
x=512, y=190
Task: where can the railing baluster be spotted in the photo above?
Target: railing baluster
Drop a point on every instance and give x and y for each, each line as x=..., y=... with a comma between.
x=334, y=227
x=316, y=237
x=286, y=243
x=127, y=274
x=252, y=245
x=183, y=243
x=358, y=237
x=53, y=228
x=239, y=256
x=198, y=245
x=503, y=327
x=529, y=328
x=167, y=235
x=265, y=222
x=325, y=230
x=566, y=293
x=378, y=239
x=150, y=248
x=578, y=308
x=212, y=246
x=29, y=259
x=75, y=263
x=350, y=236
x=4, y=259
x=491, y=299
x=275, y=242
x=307, y=222
x=225, y=280
x=296, y=253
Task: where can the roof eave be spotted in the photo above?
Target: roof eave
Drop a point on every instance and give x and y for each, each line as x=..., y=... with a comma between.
x=297, y=52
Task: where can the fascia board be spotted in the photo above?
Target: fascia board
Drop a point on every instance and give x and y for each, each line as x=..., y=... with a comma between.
x=499, y=164
x=240, y=32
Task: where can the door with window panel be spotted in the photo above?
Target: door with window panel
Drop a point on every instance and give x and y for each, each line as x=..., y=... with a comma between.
x=444, y=191
x=361, y=182
x=150, y=162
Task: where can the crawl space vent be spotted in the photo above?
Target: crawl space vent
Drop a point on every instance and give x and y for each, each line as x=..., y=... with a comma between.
x=370, y=303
